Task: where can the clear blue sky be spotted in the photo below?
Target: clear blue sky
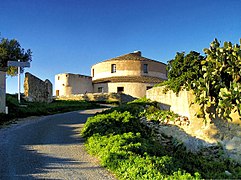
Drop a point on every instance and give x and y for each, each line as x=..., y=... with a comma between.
x=72, y=35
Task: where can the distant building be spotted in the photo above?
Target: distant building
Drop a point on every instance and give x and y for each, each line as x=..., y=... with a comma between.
x=2, y=91
x=67, y=84
x=131, y=74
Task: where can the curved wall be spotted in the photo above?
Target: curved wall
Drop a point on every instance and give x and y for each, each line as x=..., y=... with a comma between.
x=137, y=90
x=128, y=68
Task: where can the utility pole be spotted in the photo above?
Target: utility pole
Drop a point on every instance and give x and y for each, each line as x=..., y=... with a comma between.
x=19, y=85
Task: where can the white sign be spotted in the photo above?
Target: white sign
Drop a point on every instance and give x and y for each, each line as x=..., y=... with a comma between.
x=18, y=64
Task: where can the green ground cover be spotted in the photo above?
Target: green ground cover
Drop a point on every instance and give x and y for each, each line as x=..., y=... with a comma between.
x=27, y=109
x=130, y=150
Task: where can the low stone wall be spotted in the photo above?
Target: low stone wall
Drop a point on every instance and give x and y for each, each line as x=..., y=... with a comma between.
x=118, y=97
x=212, y=131
x=36, y=90
x=2, y=91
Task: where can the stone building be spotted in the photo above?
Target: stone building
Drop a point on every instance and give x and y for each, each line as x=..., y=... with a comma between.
x=36, y=90
x=67, y=84
x=131, y=74
x=2, y=91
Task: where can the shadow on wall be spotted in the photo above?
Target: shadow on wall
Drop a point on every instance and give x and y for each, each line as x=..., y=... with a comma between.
x=165, y=106
x=203, y=152
x=216, y=130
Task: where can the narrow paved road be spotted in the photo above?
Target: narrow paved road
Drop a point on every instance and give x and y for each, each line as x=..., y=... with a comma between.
x=48, y=147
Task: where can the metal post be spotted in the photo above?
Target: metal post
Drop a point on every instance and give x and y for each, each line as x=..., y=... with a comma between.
x=19, y=83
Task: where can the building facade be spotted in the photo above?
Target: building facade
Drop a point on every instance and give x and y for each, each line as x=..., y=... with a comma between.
x=68, y=84
x=131, y=74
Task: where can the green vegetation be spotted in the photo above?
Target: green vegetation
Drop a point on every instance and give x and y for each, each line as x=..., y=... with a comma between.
x=131, y=151
x=11, y=50
x=37, y=109
x=152, y=113
x=215, y=78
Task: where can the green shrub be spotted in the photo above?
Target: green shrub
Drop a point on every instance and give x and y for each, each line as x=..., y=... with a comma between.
x=128, y=156
x=112, y=123
x=154, y=114
x=130, y=150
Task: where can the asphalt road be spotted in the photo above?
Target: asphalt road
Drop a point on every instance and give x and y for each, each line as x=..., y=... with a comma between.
x=48, y=147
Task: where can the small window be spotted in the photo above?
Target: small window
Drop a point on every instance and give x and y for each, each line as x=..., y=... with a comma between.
x=145, y=68
x=148, y=87
x=100, y=89
x=120, y=89
x=113, y=68
x=93, y=72
x=58, y=78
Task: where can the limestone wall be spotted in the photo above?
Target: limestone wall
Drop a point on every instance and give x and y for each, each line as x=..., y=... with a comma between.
x=136, y=90
x=68, y=84
x=128, y=68
x=215, y=131
x=36, y=90
x=2, y=91
x=101, y=87
x=121, y=98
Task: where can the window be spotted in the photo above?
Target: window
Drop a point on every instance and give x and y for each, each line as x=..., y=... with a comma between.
x=120, y=89
x=100, y=89
x=113, y=68
x=93, y=72
x=58, y=78
x=145, y=68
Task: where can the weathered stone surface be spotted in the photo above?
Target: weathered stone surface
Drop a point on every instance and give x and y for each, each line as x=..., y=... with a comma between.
x=201, y=132
x=2, y=91
x=36, y=90
x=118, y=97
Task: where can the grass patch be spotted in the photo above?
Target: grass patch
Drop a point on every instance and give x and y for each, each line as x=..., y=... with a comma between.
x=130, y=150
x=37, y=109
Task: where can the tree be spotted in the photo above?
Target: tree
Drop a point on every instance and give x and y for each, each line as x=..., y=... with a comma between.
x=11, y=50
x=214, y=78
x=182, y=70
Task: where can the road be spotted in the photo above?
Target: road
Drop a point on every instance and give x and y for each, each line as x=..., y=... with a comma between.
x=48, y=147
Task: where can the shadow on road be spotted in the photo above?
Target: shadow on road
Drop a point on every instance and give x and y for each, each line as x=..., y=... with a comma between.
x=36, y=148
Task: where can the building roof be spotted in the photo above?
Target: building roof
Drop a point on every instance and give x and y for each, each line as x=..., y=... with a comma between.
x=140, y=79
x=71, y=74
x=136, y=55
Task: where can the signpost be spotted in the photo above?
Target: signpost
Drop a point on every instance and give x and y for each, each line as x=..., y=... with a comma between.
x=19, y=65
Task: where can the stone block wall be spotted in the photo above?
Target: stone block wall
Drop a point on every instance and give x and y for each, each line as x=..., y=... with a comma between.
x=36, y=90
x=2, y=91
x=122, y=98
x=213, y=130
